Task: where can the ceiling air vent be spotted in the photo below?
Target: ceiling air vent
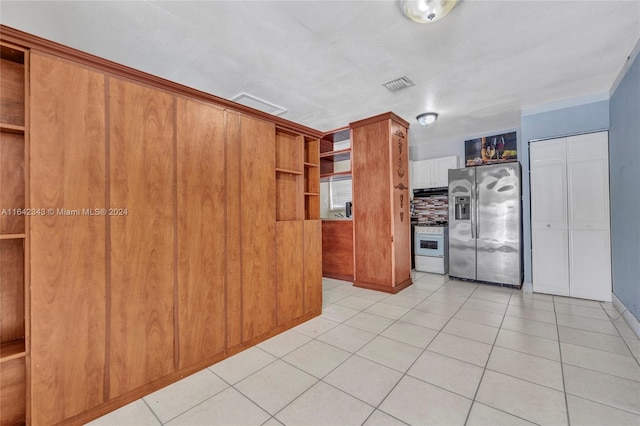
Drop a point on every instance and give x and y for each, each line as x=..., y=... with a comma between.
x=259, y=104
x=398, y=84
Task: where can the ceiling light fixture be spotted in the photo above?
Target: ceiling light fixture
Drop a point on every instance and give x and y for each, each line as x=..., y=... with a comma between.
x=427, y=118
x=425, y=11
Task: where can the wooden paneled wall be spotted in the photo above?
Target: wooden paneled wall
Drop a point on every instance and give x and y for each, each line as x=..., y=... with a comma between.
x=181, y=271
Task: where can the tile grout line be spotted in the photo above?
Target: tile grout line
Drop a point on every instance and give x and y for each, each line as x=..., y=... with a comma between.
x=484, y=370
x=564, y=384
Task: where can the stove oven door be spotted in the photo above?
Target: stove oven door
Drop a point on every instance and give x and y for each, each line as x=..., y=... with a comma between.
x=429, y=245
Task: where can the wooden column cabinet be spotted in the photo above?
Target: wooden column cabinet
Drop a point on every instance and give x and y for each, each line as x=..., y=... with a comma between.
x=381, y=221
x=148, y=230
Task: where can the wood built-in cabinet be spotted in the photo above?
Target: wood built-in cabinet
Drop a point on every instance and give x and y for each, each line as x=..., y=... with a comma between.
x=570, y=229
x=382, y=226
x=14, y=231
x=168, y=230
x=298, y=226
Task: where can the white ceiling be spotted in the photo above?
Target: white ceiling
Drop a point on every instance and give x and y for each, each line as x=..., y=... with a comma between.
x=325, y=61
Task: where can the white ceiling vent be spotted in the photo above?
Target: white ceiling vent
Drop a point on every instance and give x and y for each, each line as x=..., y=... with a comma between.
x=398, y=84
x=259, y=104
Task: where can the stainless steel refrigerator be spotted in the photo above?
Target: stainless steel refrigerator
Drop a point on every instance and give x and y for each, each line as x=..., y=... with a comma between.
x=485, y=224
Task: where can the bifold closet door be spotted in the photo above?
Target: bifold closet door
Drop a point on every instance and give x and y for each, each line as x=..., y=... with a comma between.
x=588, y=216
x=571, y=245
x=549, y=230
x=68, y=276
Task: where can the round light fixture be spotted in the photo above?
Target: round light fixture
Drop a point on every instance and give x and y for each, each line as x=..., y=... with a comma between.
x=427, y=118
x=425, y=11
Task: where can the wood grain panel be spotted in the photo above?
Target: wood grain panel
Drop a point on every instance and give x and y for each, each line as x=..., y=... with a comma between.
x=257, y=215
x=337, y=249
x=400, y=203
x=201, y=231
x=142, y=242
x=12, y=392
x=11, y=290
x=12, y=187
x=67, y=252
x=289, y=196
x=313, y=265
x=233, y=249
x=11, y=92
x=370, y=164
x=289, y=270
x=289, y=150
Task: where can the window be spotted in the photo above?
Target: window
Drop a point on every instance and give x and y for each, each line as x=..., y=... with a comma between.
x=339, y=194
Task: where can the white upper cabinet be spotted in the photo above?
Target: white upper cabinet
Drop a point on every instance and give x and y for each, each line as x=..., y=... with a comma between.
x=433, y=173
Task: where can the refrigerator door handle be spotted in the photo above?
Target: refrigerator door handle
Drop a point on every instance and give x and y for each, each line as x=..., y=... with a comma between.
x=476, y=221
x=474, y=211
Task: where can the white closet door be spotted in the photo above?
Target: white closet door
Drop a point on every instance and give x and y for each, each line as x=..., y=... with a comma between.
x=589, y=235
x=590, y=264
x=549, y=232
x=550, y=261
x=570, y=234
x=588, y=181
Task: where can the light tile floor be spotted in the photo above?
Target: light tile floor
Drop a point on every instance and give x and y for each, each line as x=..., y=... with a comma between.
x=438, y=353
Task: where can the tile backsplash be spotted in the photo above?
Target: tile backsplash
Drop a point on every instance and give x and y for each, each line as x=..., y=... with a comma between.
x=431, y=209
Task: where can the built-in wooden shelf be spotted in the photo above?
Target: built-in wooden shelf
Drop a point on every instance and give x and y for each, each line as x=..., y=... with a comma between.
x=293, y=172
x=311, y=193
x=310, y=165
x=11, y=236
x=12, y=350
x=339, y=155
x=331, y=177
x=12, y=128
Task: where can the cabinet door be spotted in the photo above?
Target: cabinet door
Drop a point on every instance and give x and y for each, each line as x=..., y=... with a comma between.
x=441, y=168
x=201, y=217
x=68, y=275
x=313, y=266
x=421, y=174
x=257, y=226
x=289, y=270
x=142, y=169
x=590, y=264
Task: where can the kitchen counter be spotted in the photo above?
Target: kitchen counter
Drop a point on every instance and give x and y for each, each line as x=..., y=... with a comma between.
x=337, y=218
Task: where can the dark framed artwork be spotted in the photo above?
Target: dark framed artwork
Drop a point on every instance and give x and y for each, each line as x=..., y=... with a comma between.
x=493, y=149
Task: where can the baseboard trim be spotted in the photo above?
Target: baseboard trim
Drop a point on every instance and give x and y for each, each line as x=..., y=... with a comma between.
x=632, y=321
